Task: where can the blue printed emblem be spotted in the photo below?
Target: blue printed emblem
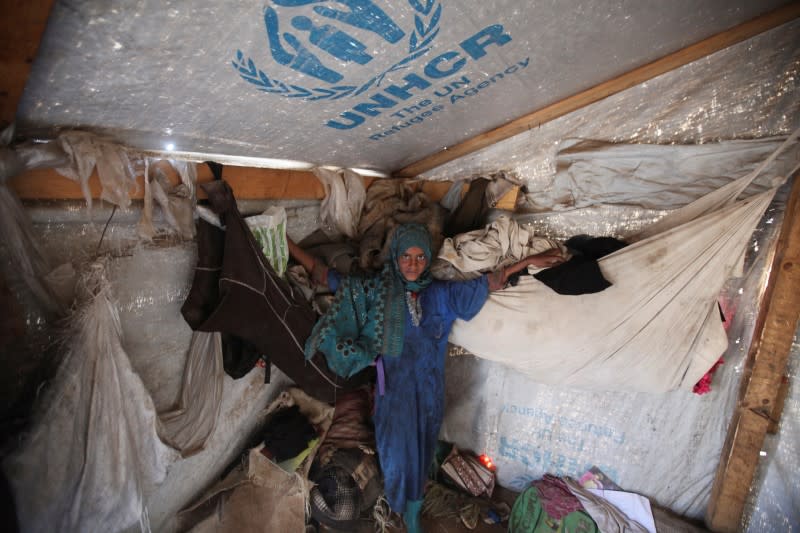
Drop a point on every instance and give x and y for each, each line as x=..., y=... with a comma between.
x=314, y=37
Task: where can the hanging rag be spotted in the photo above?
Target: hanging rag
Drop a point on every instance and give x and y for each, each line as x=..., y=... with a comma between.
x=236, y=291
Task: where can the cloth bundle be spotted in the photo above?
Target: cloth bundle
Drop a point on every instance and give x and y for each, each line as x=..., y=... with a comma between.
x=345, y=471
x=257, y=494
x=467, y=473
x=553, y=503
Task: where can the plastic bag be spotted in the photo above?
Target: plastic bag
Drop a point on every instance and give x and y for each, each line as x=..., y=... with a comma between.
x=269, y=229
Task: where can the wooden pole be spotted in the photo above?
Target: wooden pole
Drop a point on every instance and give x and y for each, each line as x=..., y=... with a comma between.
x=765, y=369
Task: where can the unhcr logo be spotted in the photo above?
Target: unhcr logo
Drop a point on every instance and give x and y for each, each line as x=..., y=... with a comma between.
x=321, y=39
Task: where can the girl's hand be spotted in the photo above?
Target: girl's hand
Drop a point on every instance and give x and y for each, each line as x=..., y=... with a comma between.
x=546, y=259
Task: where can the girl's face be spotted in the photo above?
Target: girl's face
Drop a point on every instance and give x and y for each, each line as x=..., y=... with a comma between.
x=412, y=263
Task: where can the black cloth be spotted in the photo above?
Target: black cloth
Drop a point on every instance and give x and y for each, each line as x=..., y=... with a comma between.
x=581, y=274
x=594, y=247
x=471, y=212
x=239, y=357
x=287, y=434
x=235, y=291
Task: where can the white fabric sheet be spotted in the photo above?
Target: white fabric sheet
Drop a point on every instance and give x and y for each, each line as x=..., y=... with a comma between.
x=632, y=505
x=99, y=433
x=657, y=328
x=96, y=436
x=649, y=176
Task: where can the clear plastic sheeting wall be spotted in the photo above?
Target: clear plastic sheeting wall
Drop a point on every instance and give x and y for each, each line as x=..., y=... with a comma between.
x=750, y=90
x=774, y=503
x=150, y=282
x=361, y=84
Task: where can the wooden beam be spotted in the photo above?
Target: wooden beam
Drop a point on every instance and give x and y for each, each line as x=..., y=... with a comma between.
x=635, y=77
x=762, y=378
x=247, y=184
x=21, y=29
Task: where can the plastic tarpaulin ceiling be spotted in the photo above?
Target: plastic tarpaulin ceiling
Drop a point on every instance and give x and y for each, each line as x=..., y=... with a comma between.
x=355, y=83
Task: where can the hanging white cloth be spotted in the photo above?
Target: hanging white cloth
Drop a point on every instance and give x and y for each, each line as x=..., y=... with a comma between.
x=651, y=176
x=96, y=436
x=656, y=329
x=98, y=444
x=191, y=424
x=719, y=198
x=344, y=198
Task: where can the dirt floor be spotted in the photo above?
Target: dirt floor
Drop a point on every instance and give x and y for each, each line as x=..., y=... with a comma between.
x=437, y=525
x=665, y=520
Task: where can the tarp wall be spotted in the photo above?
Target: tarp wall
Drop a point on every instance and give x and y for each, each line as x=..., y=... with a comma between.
x=149, y=283
x=374, y=84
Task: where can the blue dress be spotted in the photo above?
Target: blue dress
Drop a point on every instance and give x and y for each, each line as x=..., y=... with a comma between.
x=409, y=415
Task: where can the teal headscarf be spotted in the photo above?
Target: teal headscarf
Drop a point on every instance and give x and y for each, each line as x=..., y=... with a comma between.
x=367, y=316
x=410, y=236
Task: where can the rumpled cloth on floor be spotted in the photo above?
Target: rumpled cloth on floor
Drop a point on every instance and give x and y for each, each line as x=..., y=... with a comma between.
x=287, y=434
x=556, y=497
x=607, y=516
x=530, y=515
x=346, y=473
x=351, y=426
x=255, y=497
x=258, y=495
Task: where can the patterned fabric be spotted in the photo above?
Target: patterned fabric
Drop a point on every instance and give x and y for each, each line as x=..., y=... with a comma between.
x=556, y=498
x=366, y=318
x=351, y=333
x=468, y=473
x=335, y=498
x=344, y=487
x=529, y=516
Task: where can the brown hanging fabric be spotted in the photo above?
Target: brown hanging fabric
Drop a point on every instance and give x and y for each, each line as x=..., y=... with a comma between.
x=236, y=292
